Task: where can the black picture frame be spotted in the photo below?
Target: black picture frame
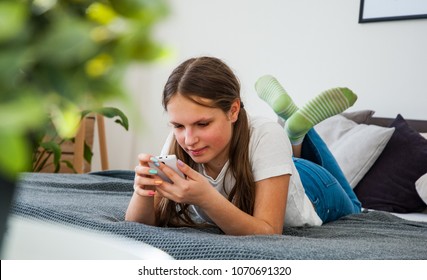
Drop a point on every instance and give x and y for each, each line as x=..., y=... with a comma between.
x=386, y=10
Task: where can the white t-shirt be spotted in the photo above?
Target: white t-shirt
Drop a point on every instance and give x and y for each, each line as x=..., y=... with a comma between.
x=270, y=155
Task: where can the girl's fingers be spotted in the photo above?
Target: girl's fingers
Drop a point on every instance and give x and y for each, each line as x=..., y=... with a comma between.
x=146, y=172
x=143, y=192
x=143, y=158
x=146, y=180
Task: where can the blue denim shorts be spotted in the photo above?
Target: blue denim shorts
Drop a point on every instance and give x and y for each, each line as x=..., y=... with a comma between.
x=323, y=180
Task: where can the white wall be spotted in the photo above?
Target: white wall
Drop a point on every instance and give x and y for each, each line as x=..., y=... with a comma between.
x=309, y=45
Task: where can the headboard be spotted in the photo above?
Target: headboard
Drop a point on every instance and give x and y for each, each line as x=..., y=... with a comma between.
x=419, y=125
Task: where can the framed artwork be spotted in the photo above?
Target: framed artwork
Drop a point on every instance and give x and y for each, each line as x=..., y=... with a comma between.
x=387, y=10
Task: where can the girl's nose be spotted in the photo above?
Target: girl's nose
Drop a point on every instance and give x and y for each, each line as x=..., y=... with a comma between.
x=190, y=138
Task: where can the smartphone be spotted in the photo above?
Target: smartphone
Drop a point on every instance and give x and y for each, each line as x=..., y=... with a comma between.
x=169, y=160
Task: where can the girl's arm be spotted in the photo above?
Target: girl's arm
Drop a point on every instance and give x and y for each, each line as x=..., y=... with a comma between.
x=141, y=207
x=270, y=202
x=141, y=210
x=269, y=211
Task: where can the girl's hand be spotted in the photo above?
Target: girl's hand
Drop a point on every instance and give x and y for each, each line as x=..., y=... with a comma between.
x=146, y=180
x=194, y=189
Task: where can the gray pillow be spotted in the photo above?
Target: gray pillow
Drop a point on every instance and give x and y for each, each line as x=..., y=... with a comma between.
x=355, y=146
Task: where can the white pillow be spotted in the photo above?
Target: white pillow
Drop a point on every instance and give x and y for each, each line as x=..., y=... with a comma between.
x=356, y=147
x=421, y=187
x=424, y=134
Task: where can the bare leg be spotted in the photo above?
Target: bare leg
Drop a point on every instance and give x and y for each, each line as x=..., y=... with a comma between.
x=296, y=150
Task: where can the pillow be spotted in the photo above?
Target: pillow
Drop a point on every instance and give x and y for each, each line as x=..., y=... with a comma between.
x=390, y=183
x=424, y=135
x=355, y=146
x=362, y=116
x=421, y=187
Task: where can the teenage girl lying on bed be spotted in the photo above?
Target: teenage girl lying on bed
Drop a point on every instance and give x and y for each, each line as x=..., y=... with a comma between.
x=242, y=174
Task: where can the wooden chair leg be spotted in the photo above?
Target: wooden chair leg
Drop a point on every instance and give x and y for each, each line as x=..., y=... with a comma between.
x=79, y=148
x=102, y=142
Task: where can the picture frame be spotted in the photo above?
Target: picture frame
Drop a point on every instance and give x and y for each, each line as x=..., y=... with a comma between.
x=391, y=10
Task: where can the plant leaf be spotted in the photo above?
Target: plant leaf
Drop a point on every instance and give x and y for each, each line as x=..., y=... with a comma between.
x=13, y=18
x=66, y=120
x=69, y=165
x=17, y=157
x=111, y=112
x=87, y=153
x=54, y=148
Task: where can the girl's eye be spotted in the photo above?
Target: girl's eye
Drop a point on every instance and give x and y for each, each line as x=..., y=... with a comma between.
x=203, y=124
x=177, y=126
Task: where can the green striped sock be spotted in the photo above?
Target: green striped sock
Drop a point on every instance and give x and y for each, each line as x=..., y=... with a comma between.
x=272, y=92
x=325, y=105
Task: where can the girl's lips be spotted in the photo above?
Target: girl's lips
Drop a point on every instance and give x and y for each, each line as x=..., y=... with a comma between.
x=197, y=152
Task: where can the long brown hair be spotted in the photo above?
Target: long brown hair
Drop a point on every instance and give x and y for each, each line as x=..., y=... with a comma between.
x=210, y=78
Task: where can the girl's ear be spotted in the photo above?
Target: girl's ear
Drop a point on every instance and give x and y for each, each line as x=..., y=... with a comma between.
x=234, y=111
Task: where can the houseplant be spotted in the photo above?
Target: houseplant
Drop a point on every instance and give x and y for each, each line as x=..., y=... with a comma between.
x=51, y=153
x=59, y=58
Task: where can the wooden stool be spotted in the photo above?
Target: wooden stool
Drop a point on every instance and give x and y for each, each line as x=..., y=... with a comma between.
x=78, y=160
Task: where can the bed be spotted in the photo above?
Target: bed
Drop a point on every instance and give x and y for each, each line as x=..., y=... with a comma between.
x=97, y=202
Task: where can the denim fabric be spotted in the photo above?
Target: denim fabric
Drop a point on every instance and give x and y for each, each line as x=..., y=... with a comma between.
x=324, y=181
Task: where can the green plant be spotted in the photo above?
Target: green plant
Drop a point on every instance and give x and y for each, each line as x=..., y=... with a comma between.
x=60, y=58
x=47, y=151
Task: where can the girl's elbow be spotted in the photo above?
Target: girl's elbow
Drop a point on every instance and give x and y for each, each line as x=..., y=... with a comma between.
x=270, y=230
x=129, y=217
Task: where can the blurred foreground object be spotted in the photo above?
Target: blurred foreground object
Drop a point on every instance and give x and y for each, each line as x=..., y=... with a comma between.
x=61, y=57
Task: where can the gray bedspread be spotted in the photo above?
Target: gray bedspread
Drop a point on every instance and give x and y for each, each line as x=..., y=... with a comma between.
x=98, y=201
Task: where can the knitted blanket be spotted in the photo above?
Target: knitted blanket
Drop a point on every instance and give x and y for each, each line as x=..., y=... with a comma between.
x=98, y=201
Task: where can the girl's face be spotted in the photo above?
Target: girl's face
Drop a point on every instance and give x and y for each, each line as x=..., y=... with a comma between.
x=203, y=132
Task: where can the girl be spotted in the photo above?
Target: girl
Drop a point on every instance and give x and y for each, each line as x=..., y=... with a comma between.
x=240, y=172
